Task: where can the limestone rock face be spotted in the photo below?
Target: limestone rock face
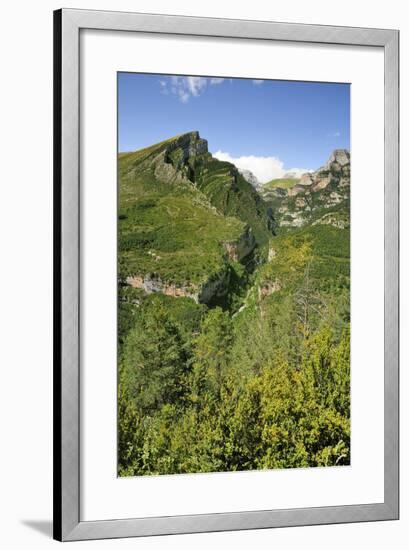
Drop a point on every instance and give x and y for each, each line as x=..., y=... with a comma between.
x=321, y=182
x=166, y=171
x=216, y=286
x=152, y=283
x=171, y=164
x=238, y=250
x=316, y=192
x=306, y=179
x=340, y=157
x=188, y=146
x=296, y=190
x=336, y=171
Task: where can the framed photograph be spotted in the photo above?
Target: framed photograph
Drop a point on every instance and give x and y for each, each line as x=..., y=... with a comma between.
x=226, y=274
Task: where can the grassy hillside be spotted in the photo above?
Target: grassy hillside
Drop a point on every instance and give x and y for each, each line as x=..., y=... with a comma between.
x=231, y=194
x=168, y=228
x=283, y=183
x=178, y=205
x=175, y=234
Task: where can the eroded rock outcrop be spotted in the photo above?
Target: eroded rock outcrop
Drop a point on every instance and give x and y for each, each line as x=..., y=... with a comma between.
x=268, y=288
x=316, y=192
x=341, y=157
x=152, y=283
x=185, y=147
x=238, y=250
x=216, y=286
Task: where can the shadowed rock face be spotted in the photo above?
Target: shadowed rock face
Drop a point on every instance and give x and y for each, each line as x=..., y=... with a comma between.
x=188, y=146
x=175, y=162
x=238, y=250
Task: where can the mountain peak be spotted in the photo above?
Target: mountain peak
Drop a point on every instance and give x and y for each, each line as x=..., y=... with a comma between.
x=340, y=156
x=193, y=134
x=190, y=143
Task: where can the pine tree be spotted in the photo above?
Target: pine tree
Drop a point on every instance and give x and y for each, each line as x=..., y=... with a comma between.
x=155, y=362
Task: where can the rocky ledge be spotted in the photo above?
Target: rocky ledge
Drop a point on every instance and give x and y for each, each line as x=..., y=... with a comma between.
x=152, y=283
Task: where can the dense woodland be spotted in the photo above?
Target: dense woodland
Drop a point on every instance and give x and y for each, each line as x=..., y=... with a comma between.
x=259, y=375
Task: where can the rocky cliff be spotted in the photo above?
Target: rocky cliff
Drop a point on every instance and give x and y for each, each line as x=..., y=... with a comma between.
x=336, y=171
x=327, y=190
x=215, y=287
x=239, y=249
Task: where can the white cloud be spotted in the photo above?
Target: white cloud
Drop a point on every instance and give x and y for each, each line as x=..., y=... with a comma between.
x=264, y=168
x=334, y=134
x=258, y=82
x=185, y=87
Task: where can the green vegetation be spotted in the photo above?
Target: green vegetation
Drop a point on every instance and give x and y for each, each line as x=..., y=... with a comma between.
x=282, y=183
x=174, y=233
x=232, y=195
x=258, y=376
x=170, y=229
x=310, y=206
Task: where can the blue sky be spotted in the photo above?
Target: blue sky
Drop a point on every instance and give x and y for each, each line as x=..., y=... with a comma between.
x=269, y=126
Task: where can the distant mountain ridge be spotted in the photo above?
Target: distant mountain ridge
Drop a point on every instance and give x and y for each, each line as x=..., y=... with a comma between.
x=321, y=195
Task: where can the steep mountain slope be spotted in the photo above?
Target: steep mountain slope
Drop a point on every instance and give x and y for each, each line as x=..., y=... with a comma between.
x=222, y=183
x=185, y=219
x=305, y=278
x=250, y=177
